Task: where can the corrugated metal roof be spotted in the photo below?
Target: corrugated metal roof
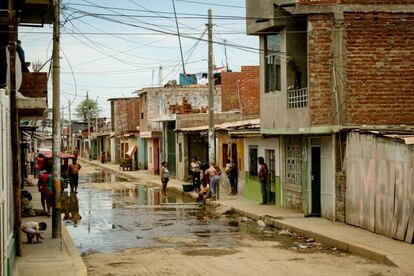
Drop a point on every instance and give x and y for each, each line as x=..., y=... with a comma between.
x=223, y=126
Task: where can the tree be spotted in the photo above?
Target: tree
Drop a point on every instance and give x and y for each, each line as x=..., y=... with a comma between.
x=85, y=107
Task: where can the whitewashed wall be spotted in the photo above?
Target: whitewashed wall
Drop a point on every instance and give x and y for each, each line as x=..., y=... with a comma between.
x=6, y=189
x=380, y=186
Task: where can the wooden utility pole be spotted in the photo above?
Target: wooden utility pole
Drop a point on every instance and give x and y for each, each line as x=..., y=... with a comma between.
x=89, y=126
x=14, y=125
x=70, y=129
x=56, y=146
x=211, y=134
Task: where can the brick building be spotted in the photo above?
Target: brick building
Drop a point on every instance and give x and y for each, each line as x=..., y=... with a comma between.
x=241, y=90
x=326, y=68
x=125, y=118
x=160, y=107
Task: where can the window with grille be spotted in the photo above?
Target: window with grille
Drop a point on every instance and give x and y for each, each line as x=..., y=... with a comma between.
x=253, y=167
x=298, y=98
x=293, y=163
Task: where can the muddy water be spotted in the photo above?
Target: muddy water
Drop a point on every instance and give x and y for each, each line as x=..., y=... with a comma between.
x=110, y=220
x=113, y=220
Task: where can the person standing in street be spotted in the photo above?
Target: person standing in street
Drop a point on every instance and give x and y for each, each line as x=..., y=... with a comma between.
x=165, y=177
x=214, y=174
x=263, y=172
x=73, y=173
x=232, y=174
x=195, y=170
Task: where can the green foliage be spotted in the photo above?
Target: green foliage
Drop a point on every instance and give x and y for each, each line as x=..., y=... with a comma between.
x=87, y=106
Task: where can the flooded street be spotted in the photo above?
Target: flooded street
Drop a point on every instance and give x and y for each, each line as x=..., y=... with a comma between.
x=126, y=228
x=138, y=216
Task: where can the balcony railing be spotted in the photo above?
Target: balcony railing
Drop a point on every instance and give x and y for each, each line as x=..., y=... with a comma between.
x=298, y=98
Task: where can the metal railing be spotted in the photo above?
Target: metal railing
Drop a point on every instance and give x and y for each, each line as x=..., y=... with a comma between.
x=298, y=98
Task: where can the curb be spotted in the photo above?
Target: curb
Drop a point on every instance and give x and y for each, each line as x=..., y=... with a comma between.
x=356, y=249
x=80, y=267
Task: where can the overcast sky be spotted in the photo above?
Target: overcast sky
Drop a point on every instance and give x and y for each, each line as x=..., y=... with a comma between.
x=116, y=47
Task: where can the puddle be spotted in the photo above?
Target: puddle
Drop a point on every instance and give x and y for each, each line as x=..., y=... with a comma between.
x=105, y=220
x=104, y=176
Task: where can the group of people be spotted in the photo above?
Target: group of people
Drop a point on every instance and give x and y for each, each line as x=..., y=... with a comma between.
x=45, y=182
x=206, y=178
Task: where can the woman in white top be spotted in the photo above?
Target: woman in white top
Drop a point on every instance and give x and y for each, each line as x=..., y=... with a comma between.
x=195, y=170
x=165, y=174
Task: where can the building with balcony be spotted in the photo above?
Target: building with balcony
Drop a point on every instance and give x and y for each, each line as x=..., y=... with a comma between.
x=328, y=68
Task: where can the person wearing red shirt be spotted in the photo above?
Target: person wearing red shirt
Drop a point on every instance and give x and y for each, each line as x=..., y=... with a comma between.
x=42, y=185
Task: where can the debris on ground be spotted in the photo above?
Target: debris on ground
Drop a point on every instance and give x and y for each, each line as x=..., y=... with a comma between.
x=310, y=240
x=244, y=219
x=261, y=224
x=234, y=223
x=223, y=210
x=139, y=237
x=333, y=248
x=285, y=232
x=302, y=246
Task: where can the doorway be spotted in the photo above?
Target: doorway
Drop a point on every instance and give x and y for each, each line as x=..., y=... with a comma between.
x=316, y=181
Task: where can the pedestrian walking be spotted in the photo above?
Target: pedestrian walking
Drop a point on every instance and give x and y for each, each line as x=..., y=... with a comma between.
x=263, y=172
x=73, y=173
x=195, y=170
x=42, y=187
x=165, y=177
x=40, y=164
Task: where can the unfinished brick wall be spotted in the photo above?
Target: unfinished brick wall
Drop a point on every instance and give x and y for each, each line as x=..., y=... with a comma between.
x=241, y=90
x=380, y=68
x=127, y=115
x=34, y=84
x=321, y=102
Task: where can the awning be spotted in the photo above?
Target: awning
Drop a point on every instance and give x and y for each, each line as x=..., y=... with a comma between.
x=132, y=151
x=223, y=126
x=47, y=153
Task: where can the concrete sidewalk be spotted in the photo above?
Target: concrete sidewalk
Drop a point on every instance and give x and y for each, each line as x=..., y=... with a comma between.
x=340, y=235
x=57, y=257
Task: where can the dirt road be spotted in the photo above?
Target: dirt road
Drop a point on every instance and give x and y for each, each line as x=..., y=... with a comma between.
x=256, y=258
x=253, y=255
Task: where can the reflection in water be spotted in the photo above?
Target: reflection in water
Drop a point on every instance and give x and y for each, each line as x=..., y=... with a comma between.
x=70, y=207
x=140, y=217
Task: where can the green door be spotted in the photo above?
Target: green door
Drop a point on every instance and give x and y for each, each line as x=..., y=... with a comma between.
x=171, y=148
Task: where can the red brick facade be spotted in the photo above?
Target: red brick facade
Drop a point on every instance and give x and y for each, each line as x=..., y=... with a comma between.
x=378, y=69
x=321, y=101
x=241, y=90
x=127, y=115
x=34, y=84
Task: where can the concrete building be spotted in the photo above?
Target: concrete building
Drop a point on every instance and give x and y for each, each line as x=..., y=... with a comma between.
x=161, y=106
x=328, y=67
x=125, y=124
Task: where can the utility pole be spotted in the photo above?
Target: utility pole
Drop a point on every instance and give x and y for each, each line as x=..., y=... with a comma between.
x=56, y=212
x=70, y=129
x=89, y=126
x=14, y=125
x=211, y=135
x=179, y=37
